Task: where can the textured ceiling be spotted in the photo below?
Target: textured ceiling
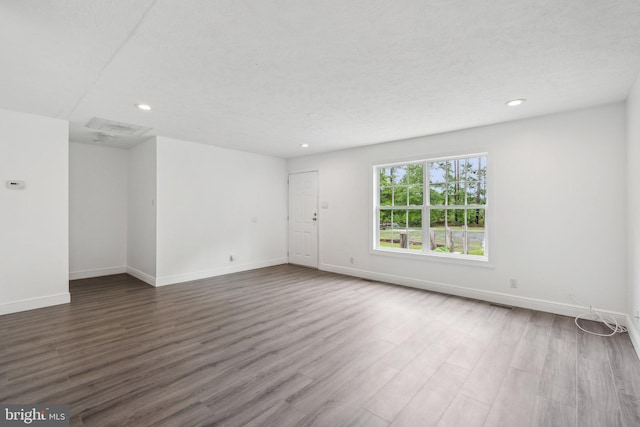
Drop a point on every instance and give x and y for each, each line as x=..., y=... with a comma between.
x=268, y=75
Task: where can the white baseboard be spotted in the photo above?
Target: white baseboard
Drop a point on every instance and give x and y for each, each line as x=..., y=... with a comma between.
x=33, y=303
x=141, y=275
x=85, y=274
x=236, y=268
x=491, y=296
x=634, y=335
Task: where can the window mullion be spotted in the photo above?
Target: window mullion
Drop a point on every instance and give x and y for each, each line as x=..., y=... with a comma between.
x=426, y=212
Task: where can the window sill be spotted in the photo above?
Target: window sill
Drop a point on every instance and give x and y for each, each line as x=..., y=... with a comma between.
x=468, y=260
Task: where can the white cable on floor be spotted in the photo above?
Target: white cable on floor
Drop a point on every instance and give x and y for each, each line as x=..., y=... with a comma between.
x=609, y=321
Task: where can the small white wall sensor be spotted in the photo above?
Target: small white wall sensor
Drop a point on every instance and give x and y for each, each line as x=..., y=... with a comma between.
x=15, y=185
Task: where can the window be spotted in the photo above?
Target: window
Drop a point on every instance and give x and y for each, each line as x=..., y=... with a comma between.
x=433, y=207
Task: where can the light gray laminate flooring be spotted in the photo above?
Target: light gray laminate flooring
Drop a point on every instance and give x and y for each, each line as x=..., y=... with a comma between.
x=289, y=346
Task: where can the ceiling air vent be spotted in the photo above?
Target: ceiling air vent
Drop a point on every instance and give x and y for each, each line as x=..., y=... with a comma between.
x=116, y=128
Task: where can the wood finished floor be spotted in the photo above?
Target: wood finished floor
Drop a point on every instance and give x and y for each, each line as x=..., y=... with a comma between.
x=289, y=346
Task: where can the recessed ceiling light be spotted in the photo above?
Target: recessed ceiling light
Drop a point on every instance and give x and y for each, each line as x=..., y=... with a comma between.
x=304, y=145
x=144, y=107
x=516, y=102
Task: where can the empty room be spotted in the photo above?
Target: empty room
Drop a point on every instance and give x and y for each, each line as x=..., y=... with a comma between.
x=320, y=213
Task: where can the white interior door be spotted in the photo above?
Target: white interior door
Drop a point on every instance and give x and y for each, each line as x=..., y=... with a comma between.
x=303, y=219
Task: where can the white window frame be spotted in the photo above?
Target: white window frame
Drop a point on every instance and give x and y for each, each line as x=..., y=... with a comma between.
x=426, y=253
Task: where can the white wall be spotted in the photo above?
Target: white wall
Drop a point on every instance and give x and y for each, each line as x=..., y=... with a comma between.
x=141, y=212
x=97, y=210
x=557, y=197
x=34, y=233
x=633, y=210
x=214, y=202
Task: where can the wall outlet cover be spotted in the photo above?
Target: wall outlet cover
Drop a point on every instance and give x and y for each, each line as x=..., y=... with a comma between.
x=16, y=185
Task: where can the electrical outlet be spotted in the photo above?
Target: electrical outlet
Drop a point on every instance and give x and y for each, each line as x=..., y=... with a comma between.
x=637, y=316
x=513, y=283
x=351, y=260
x=232, y=258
